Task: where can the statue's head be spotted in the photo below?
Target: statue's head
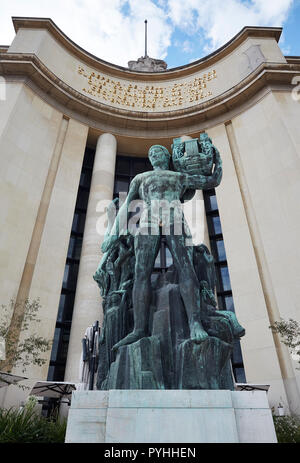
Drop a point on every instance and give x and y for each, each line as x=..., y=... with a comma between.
x=159, y=156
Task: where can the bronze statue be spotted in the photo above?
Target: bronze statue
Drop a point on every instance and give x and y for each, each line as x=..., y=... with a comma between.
x=162, y=185
x=184, y=342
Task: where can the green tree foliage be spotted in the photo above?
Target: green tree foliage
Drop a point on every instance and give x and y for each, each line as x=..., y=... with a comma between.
x=289, y=332
x=30, y=347
x=287, y=429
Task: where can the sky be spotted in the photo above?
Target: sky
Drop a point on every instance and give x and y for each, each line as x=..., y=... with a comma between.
x=179, y=31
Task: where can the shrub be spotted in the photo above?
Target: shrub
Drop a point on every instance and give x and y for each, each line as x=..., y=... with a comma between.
x=27, y=426
x=287, y=429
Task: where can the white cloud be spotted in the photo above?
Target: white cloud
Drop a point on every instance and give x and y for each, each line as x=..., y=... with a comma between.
x=110, y=29
x=185, y=46
x=114, y=29
x=220, y=20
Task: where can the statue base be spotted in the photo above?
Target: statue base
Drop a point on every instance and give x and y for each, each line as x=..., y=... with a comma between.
x=170, y=416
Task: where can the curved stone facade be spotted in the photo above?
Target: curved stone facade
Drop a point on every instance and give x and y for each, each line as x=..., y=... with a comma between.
x=60, y=99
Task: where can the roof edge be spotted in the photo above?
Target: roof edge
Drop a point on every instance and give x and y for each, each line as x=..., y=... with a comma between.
x=48, y=23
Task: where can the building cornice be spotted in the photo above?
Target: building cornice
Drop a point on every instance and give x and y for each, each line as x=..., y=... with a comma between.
x=119, y=71
x=99, y=115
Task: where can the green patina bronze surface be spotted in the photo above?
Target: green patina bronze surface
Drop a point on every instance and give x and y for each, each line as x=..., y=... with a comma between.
x=166, y=332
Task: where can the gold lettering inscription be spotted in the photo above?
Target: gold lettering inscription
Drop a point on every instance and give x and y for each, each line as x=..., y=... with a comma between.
x=147, y=96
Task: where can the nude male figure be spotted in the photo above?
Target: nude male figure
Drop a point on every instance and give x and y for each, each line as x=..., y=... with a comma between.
x=163, y=185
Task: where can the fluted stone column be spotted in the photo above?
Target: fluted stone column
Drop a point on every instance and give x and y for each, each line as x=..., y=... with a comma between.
x=87, y=305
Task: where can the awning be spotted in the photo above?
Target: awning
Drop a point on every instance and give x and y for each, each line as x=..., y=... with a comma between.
x=6, y=379
x=251, y=387
x=55, y=389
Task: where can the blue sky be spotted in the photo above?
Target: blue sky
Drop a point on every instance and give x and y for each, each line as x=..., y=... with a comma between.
x=179, y=31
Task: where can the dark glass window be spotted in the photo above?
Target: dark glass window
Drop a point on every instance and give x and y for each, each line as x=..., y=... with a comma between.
x=123, y=165
x=229, y=303
x=218, y=250
x=224, y=292
x=138, y=166
x=121, y=185
x=214, y=224
x=210, y=201
x=75, y=245
x=224, y=280
x=65, y=308
x=70, y=276
x=78, y=221
x=85, y=178
x=82, y=199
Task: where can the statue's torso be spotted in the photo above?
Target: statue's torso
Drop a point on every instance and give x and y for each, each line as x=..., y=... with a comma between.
x=161, y=191
x=161, y=185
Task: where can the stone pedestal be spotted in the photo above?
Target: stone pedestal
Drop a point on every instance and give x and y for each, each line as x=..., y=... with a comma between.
x=170, y=416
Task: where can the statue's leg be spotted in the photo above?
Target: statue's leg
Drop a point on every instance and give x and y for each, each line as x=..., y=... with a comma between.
x=188, y=284
x=146, y=250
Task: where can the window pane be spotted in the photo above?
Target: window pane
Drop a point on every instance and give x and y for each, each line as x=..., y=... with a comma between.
x=61, y=306
x=140, y=166
x=221, y=250
x=70, y=276
x=85, y=179
x=63, y=351
x=78, y=222
x=59, y=373
x=218, y=250
x=225, y=279
x=71, y=247
x=221, y=301
x=88, y=160
x=75, y=222
x=81, y=222
x=77, y=249
x=210, y=202
x=237, y=352
x=213, y=202
x=66, y=275
x=68, y=308
x=229, y=303
x=65, y=309
x=123, y=166
x=214, y=225
x=51, y=373
x=239, y=375
x=82, y=199
x=121, y=185
x=55, y=344
x=74, y=249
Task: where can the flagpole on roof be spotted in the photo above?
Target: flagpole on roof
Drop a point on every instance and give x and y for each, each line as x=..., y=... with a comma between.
x=146, y=38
